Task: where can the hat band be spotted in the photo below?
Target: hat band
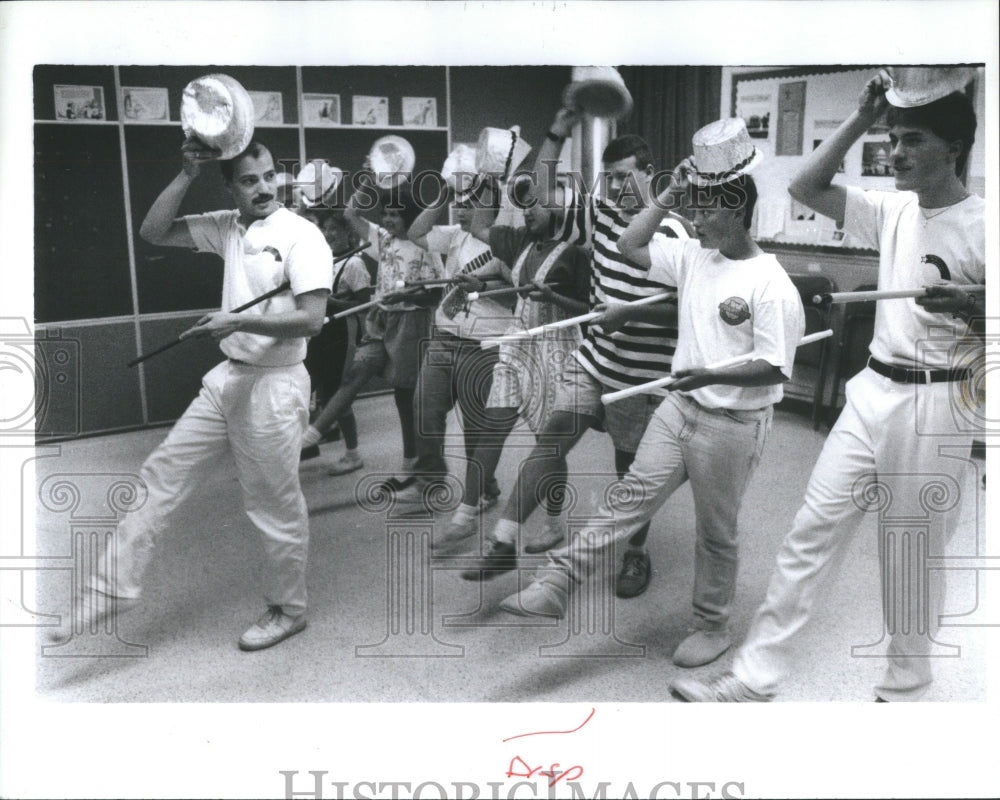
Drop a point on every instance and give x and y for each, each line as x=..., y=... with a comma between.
x=729, y=173
x=510, y=155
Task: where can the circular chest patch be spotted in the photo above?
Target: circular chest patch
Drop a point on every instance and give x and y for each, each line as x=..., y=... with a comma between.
x=734, y=310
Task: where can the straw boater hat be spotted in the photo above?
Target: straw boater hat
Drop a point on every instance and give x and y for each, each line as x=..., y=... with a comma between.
x=723, y=151
x=499, y=152
x=317, y=181
x=599, y=91
x=918, y=86
x=391, y=159
x=217, y=110
x=459, y=171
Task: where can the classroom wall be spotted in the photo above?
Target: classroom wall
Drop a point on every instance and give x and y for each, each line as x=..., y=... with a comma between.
x=103, y=296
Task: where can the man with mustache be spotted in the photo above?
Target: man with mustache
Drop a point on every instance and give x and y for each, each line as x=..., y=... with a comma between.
x=255, y=403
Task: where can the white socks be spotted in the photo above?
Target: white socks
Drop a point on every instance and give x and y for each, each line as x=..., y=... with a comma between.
x=505, y=531
x=464, y=513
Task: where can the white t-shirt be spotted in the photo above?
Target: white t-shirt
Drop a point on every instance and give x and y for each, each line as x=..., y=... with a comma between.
x=728, y=308
x=399, y=260
x=483, y=319
x=914, y=252
x=280, y=247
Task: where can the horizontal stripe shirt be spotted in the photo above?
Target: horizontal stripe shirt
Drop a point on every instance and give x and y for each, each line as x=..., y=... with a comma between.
x=638, y=352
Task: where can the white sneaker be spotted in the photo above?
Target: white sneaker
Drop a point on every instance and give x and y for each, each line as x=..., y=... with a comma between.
x=455, y=533
x=274, y=626
x=349, y=462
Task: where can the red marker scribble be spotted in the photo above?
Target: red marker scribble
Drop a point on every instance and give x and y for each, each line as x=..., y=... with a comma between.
x=539, y=733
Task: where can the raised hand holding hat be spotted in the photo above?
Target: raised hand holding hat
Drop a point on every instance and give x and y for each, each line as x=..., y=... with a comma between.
x=723, y=150
x=218, y=111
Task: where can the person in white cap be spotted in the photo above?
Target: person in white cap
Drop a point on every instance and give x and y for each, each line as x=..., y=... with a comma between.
x=624, y=350
x=525, y=377
x=455, y=368
x=255, y=404
x=733, y=300
x=395, y=328
x=327, y=353
x=900, y=425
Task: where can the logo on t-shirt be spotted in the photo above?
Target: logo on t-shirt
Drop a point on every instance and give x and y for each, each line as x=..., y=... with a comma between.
x=734, y=310
x=938, y=262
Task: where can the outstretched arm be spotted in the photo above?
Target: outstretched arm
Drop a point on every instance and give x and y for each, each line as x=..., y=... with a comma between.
x=812, y=185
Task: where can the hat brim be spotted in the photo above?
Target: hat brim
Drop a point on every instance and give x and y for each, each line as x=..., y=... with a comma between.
x=904, y=99
x=599, y=98
x=700, y=179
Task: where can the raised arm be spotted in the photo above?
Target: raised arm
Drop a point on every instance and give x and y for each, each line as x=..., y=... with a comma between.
x=812, y=185
x=429, y=217
x=546, y=164
x=161, y=225
x=351, y=213
x=634, y=241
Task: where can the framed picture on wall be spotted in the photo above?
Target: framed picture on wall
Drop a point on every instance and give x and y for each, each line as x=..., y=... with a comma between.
x=755, y=109
x=876, y=159
x=366, y=110
x=267, y=107
x=420, y=112
x=320, y=109
x=145, y=104
x=79, y=103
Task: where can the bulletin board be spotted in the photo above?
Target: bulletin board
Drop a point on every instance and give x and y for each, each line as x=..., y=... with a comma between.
x=788, y=113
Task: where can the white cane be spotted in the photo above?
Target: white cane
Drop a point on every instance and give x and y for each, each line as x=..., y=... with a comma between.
x=659, y=383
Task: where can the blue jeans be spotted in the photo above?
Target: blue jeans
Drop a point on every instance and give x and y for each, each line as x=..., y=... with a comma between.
x=453, y=370
x=717, y=450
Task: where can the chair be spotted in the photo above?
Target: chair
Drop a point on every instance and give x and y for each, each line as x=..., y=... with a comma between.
x=812, y=360
x=856, y=334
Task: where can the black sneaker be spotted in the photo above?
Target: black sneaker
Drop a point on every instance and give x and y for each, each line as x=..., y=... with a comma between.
x=497, y=558
x=309, y=452
x=634, y=577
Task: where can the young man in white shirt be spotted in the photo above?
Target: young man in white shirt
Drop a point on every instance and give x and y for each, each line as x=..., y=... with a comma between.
x=899, y=422
x=733, y=300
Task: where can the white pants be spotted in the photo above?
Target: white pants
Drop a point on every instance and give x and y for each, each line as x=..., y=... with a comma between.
x=260, y=414
x=908, y=437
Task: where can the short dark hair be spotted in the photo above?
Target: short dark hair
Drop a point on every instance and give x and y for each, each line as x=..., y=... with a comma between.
x=628, y=145
x=740, y=192
x=951, y=118
x=400, y=198
x=335, y=216
x=253, y=150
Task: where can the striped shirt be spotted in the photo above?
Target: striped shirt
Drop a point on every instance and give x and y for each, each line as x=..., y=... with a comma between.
x=638, y=352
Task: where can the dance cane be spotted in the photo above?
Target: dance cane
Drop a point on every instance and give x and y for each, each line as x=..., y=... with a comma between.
x=403, y=288
x=894, y=294
x=430, y=282
x=659, y=383
x=283, y=287
x=566, y=323
x=528, y=287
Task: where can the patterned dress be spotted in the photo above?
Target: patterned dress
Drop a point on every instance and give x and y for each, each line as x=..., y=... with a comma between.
x=526, y=376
